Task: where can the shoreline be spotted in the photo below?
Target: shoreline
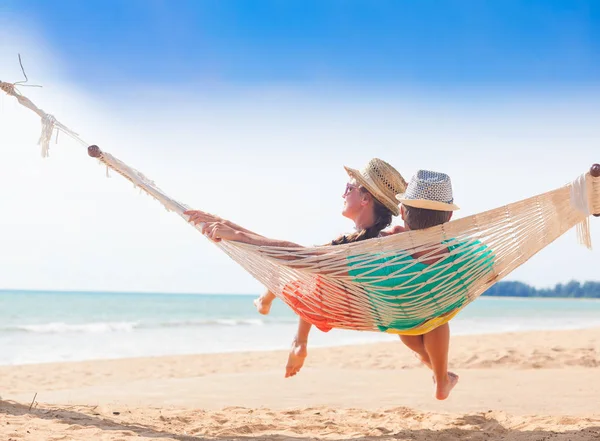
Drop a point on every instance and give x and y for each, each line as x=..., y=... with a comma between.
x=385, y=339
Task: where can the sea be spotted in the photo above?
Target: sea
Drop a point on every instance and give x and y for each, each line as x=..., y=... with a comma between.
x=41, y=327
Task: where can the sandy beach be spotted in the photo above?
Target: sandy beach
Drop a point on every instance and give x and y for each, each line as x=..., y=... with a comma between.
x=518, y=386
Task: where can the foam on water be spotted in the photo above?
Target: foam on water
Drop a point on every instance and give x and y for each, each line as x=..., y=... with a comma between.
x=49, y=327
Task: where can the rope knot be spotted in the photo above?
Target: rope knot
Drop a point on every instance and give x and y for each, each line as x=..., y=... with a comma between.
x=8, y=88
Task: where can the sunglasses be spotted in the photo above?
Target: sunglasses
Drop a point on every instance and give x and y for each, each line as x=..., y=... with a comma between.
x=349, y=188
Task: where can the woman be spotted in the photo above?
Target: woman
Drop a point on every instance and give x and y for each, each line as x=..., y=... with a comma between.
x=369, y=201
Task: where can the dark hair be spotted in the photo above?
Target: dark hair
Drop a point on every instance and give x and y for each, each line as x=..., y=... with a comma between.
x=383, y=218
x=421, y=218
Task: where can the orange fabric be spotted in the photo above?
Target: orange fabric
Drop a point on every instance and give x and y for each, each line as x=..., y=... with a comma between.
x=310, y=306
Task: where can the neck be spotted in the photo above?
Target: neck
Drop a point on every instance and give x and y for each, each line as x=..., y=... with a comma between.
x=364, y=220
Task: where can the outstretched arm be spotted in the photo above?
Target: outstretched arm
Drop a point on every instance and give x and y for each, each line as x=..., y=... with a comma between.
x=217, y=229
x=197, y=216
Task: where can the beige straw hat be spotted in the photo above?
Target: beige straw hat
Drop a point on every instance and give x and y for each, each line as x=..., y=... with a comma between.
x=430, y=190
x=381, y=180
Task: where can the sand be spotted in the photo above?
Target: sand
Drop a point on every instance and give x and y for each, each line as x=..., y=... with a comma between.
x=519, y=386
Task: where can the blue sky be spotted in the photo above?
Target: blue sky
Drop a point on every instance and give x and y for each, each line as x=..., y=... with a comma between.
x=230, y=106
x=437, y=43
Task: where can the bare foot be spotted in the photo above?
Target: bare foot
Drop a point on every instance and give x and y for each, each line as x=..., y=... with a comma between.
x=443, y=389
x=425, y=360
x=263, y=304
x=296, y=359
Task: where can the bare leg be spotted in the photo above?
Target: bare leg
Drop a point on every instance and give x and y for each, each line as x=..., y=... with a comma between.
x=416, y=344
x=264, y=302
x=298, y=352
x=437, y=344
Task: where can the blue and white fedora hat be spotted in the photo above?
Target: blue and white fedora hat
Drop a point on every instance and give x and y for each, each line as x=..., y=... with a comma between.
x=431, y=190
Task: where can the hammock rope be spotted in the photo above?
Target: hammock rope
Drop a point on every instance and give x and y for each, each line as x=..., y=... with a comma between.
x=380, y=284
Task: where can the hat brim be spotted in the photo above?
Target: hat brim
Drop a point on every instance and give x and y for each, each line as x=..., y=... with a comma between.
x=390, y=204
x=427, y=204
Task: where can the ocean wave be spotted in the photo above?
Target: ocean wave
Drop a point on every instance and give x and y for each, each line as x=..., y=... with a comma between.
x=106, y=327
x=207, y=322
x=62, y=328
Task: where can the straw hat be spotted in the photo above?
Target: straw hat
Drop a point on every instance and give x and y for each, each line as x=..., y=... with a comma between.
x=430, y=190
x=381, y=180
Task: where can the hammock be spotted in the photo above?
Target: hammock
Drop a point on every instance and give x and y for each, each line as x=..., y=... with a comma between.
x=378, y=284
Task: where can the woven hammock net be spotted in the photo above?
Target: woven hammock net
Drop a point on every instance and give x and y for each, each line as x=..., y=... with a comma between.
x=379, y=284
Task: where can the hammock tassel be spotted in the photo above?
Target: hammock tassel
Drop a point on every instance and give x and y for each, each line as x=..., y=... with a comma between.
x=48, y=122
x=584, y=236
x=579, y=201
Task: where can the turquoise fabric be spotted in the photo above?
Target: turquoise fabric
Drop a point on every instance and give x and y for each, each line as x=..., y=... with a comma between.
x=411, y=285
